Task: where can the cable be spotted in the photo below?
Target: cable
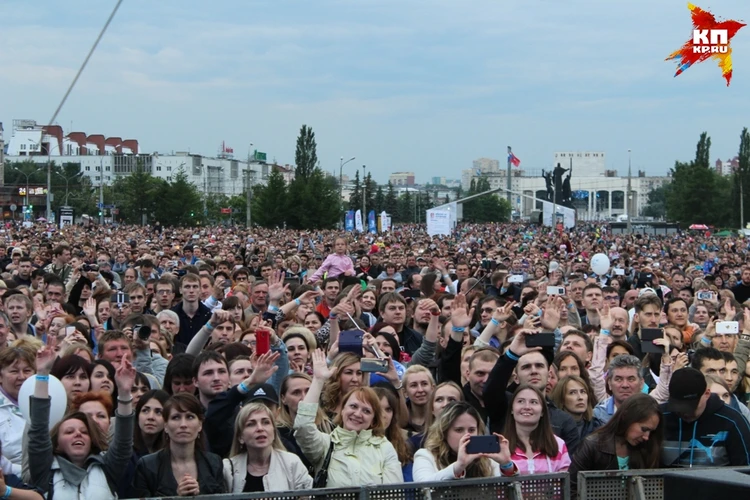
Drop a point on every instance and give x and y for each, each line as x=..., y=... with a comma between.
x=83, y=66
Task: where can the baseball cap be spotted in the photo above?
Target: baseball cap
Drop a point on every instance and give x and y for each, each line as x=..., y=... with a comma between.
x=262, y=392
x=686, y=387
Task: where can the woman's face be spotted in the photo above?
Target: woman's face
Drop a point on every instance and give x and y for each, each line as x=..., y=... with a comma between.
x=419, y=389
x=464, y=424
x=138, y=390
x=259, y=432
x=527, y=407
x=701, y=315
x=576, y=398
x=298, y=353
x=302, y=311
x=57, y=324
x=183, y=427
x=675, y=337
x=85, y=292
x=237, y=312
x=365, y=262
x=150, y=420
x=568, y=366
x=356, y=414
x=100, y=380
x=249, y=339
x=382, y=342
x=295, y=392
x=351, y=377
x=76, y=383
x=312, y=322
x=639, y=432
x=616, y=351
x=15, y=374
x=73, y=440
x=442, y=398
x=368, y=301
x=98, y=414
x=385, y=408
x=719, y=390
x=241, y=370
x=103, y=310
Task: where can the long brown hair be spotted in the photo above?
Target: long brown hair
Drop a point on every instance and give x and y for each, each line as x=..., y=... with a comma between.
x=393, y=432
x=541, y=439
x=98, y=440
x=561, y=390
x=637, y=408
x=331, y=397
x=436, y=441
x=284, y=418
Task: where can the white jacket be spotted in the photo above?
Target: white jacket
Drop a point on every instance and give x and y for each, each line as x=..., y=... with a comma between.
x=12, y=428
x=425, y=468
x=286, y=472
x=93, y=485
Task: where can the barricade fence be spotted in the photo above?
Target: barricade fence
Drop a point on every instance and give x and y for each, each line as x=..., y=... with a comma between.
x=647, y=484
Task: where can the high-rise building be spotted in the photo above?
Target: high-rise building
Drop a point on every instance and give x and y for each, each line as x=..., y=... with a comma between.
x=727, y=167
x=402, y=178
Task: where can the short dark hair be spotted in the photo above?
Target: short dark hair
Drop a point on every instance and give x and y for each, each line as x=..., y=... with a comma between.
x=205, y=357
x=705, y=353
x=181, y=366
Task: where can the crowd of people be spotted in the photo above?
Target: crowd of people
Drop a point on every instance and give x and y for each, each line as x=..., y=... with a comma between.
x=211, y=360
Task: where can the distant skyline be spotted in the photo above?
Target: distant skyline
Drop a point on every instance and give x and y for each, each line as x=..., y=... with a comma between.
x=416, y=85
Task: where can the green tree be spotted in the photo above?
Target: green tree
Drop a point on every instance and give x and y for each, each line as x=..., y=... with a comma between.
x=355, y=199
x=181, y=198
x=306, y=156
x=269, y=207
x=138, y=195
x=741, y=179
x=379, y=200
x=391, y=203
x=406, y=207
x=657, y=202
x=370, y=189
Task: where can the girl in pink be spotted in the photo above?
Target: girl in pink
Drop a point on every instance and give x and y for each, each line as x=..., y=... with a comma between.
x=336, y=265
x=535, y=448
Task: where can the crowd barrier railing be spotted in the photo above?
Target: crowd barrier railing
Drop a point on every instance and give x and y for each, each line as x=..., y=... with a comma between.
x=533, y=487
x=645, y=484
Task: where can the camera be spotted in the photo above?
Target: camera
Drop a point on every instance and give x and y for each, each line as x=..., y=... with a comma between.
x=90, y=268
x=143, y=331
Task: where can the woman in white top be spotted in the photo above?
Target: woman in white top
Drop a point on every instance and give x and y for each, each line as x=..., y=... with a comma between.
x=444, y=455
x=258, y=461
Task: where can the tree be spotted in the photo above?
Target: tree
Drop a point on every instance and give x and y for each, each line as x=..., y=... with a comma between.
x=181, y=198
x=487, y=208
x=741, y=178
x=355, y=199
x=391, y=204
x=370, y=188
x=406, y=207
x=306, y=156
x=139, y=195
x=379, y=200
x=269, y=202
x=657, y=202
x=447, y=199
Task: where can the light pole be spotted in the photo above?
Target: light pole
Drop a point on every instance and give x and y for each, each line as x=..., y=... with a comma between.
x=67, y=179
x=341, y=176
x=364, y=196
x=630, y=195
x=26, y=203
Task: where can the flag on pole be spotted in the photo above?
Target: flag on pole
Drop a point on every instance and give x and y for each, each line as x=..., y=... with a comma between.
x=513, y=159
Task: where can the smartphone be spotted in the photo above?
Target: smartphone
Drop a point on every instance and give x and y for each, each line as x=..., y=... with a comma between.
x=545, y=339
x=411, y=294
x=292, y=281
x=727, y=328
x=351, y=341
x=369, y=365
x=644, y=279
x=648, y=335
x=262, y=341
x=515, y=278
x=705, y=295
x=555, y=290
x=619, y=272
x=181, y=272
x=483, y=444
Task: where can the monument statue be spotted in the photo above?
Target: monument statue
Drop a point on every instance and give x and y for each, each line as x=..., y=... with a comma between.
x=550, y=190
x=558, y=180
x=567, y=197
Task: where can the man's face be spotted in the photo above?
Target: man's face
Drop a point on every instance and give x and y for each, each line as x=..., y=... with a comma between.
x=447, y=308
x=332, y=290
x=678, y=282
x=488, y=309
x=577, y=345
x=732, y=375
x=388, y=286
x=479, y=372
x=137, y=300
x=190, y=291
x=649, y=317
x=724, y=342
x=206, y=289
x=576, y=291
x=394, y=313
x=746, y=276
x=677, y=313
x=411, y=261
x=416, y=281
x=612, y=299
x=164, y=296
x=64, y=257
x=213, y=378
x=115, y=350
x=462, y=271
x=265, y=272
x=17, y=312
x=716, y=367
x=55, y=293
x=624, y=383
x=24, y=269
x=260, y=294
x=619, y=322
x=222, y=334
x=532, y=369
x=629, y=299
x=592, y=299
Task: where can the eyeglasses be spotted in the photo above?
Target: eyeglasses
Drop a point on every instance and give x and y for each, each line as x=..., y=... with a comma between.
x=488, y=310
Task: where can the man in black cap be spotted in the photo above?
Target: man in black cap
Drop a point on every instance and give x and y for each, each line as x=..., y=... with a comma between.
x=699, y=429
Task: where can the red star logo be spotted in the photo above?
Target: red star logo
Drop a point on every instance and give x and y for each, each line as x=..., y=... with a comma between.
x=686, y=56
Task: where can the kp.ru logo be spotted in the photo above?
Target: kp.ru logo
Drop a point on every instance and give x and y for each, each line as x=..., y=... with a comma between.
x=710, y=40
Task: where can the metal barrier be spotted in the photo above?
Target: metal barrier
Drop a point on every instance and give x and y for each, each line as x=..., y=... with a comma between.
x=646, y=484
x=534, y=487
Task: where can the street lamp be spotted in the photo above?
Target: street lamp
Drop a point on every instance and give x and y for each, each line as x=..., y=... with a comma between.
x=364, y=196
x=341, y=176
x=49, y=173
x=66, y=183
x=26, y=203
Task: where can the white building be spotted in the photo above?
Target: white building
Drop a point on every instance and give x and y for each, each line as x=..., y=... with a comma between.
x=727, y=167
x=103, y=160
x=486, y=165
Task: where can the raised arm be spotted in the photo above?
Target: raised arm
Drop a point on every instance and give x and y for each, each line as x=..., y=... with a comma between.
x=313, y=443
x=425, y=355
x=40, y=443
x=116, y=458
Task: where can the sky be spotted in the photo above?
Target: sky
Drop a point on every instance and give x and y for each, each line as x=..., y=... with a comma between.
x=413, y=85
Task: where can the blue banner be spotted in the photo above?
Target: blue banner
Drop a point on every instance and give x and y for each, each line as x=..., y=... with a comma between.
x=349, y=221
x=371, y=224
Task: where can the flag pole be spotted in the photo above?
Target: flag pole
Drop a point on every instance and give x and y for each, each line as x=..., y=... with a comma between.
x=510, y=196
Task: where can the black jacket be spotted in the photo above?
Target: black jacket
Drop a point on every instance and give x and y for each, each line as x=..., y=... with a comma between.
x=496, y=406
x=741, y=292
x=594, y=453
x=154, y=478
x=410, y=340
x=719, y=438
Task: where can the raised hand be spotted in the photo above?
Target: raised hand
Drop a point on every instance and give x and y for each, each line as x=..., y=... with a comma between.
x=45, y=357
x=309, y=296
x=605, y=318
x=219, y=316
x=460, y=317
x=89, y=307
x=518, y=344
x=729, y=311
x=551, y=313
x=464, y=459
x=125, y=376
x=264, y=366
x=428, y=305
x=321, y=370
x=503, y=313
x=276, y=286
x=502, y=457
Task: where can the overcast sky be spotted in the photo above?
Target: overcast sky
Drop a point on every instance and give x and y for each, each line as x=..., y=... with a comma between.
x=411, y=85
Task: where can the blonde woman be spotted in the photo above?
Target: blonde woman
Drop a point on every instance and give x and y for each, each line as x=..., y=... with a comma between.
x=258, y=461
x=346, y=375
x=418, y=386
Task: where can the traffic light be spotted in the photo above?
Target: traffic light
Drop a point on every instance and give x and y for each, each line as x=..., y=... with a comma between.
x=100, y=213
x=192, y=214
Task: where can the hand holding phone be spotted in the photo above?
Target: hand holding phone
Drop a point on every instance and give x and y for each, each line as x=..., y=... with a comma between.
x=262, y=341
